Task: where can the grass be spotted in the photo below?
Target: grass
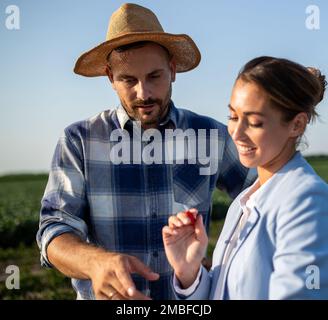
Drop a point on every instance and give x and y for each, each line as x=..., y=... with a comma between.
x=20, y=197
x=19, y=209
x=35, y=282
x=320, y=165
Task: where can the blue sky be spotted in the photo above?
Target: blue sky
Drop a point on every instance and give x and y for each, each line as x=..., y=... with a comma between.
x=40, y=94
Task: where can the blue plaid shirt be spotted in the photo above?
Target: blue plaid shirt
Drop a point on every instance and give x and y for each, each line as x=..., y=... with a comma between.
x=123, y=207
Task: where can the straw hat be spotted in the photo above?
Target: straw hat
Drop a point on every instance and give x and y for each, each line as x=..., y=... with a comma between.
x=133, y=23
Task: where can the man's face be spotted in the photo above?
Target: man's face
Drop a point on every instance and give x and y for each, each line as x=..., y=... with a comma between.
x=142, y=78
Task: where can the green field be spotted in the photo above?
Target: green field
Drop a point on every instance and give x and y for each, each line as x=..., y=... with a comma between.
x=20, y=197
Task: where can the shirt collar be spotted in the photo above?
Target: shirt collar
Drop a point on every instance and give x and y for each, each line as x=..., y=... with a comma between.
x=171, y=116
x=122, y=116
x=248, y=199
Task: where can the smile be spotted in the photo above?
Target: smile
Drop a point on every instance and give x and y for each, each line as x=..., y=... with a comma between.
x=244, y=150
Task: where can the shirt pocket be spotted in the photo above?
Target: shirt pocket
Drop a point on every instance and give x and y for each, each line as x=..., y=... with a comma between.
x=190, y=188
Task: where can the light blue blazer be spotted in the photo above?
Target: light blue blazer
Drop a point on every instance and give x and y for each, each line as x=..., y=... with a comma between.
x=282, y=253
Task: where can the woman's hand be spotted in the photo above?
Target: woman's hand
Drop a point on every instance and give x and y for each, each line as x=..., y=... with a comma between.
x=185, y=245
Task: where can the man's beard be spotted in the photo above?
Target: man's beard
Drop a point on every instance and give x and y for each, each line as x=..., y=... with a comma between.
x=163, y=108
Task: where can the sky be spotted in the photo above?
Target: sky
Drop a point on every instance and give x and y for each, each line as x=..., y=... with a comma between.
x=40, y=95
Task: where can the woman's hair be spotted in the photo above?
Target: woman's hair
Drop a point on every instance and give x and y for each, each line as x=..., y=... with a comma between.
x=291, y=87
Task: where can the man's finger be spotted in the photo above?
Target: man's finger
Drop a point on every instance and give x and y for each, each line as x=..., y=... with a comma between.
x=110, y=293
x=117, y=296
x=102, y=296
x=130, y=291
x=138, y=267
x=139, y=296
x=126, y=282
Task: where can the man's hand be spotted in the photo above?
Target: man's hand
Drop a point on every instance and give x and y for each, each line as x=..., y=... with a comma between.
x=111, y=276
x=109, y=272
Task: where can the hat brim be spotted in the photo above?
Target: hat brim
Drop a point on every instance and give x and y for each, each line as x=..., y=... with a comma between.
x=187, y=56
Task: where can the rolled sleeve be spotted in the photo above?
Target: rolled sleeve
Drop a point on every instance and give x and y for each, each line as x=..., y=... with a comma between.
x=51, y=229
x=64, y=205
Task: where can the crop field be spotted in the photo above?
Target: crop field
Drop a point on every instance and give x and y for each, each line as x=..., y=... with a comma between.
x=20, y=197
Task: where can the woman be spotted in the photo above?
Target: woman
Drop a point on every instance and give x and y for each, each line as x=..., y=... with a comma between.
x=274, y=243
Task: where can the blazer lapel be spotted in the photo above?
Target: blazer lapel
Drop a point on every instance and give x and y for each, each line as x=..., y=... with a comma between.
x=225, y=236
x=230, y=224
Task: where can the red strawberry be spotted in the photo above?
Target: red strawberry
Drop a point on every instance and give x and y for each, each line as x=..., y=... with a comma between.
x=191, y=217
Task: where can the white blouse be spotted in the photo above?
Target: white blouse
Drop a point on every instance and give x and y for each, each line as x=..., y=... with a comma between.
x=247, y=202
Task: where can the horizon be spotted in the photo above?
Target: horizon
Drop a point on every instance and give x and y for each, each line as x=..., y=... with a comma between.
x=42, y=173
x=40, y=94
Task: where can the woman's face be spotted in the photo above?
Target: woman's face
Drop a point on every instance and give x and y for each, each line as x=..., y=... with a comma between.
x=257, y=129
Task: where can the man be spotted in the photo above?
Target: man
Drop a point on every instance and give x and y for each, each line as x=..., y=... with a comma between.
x=107, y=199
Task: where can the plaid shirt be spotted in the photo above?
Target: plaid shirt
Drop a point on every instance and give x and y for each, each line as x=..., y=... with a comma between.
x=123, y=207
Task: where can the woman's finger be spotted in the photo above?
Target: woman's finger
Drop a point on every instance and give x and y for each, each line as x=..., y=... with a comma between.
x=200, y=229
x=185, y=218
x=175, y=222
x=167, y=231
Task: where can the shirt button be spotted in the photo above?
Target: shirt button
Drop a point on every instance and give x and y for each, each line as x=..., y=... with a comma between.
x=155, y=254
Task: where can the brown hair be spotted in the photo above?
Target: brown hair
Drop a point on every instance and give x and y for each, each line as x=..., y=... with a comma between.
x=292, y=88
x=136, y=45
